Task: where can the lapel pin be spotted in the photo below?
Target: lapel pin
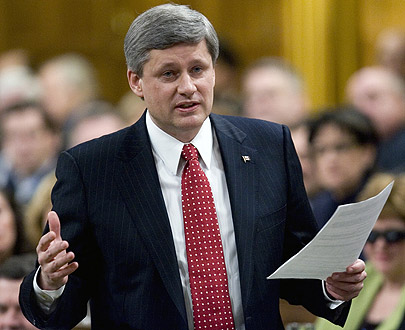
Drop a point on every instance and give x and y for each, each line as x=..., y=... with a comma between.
x=246, y=159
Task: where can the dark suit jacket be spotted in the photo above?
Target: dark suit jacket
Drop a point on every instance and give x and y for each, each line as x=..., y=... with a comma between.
x=113, y=214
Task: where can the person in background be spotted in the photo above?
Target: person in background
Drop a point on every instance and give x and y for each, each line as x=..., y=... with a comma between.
x=300, y=135
x=379, y=93
x=94, y=119
x=18, y=83
x=37, y=209
x=381, y=304
x=12, y=237
x=118, y=230
x=12, y=272
x=67, y=82
x=273, y=90
x=30, y=143
x=344, y=144
x=390, y=50
x=130, y=107
x=226, y=96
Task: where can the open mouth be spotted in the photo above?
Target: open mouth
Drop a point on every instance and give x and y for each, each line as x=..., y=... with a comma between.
x=187, y=105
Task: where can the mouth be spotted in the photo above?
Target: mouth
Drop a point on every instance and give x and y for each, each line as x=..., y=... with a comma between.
x=187, y=106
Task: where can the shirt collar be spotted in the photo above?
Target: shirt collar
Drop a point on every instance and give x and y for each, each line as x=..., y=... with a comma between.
x=168, y=149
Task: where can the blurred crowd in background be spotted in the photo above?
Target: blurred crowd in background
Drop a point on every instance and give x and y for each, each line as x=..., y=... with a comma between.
x=348, y=152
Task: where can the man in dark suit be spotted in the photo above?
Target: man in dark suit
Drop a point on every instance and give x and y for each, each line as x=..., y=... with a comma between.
x=117, y=203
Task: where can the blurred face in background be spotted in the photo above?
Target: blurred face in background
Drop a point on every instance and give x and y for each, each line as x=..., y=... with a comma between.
x=27, y=142
x=11, y=317
x=8, y=230
x=374, y=92
x=269, y=94
x=387, y=258
x=94, y=127
x=56, y=93
x=341, y=162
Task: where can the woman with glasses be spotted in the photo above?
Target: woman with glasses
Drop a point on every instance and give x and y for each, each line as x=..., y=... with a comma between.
x=343, y=143
x=381, y=303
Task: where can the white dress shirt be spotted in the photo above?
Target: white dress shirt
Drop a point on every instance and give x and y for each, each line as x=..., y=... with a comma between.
x=167, y=154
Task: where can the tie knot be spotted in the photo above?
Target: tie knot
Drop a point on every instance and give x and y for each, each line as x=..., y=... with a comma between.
x=189, y=152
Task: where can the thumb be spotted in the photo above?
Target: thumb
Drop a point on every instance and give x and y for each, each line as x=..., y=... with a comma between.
x=54, y=224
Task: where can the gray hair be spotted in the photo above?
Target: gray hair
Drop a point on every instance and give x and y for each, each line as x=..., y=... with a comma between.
x=281, y=65
x=164, y=26
x=78, y=72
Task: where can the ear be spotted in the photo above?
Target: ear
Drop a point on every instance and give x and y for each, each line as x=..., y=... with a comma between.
x=135, y=83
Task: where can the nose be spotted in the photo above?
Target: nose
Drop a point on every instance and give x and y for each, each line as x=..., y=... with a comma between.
x=186, y=85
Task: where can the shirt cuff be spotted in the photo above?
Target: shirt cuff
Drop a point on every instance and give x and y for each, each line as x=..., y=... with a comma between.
x=332, y=303
x=46, y=299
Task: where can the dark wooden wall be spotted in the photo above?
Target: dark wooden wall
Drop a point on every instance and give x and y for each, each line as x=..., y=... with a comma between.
x=96, y=28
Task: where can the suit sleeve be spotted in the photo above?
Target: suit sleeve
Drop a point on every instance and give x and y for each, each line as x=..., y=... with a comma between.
x=300, y=229
x=69, y=202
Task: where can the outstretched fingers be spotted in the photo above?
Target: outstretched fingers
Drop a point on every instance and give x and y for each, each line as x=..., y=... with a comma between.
x=56, y=263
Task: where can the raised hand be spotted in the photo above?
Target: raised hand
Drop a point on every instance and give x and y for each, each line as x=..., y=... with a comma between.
x=56, y=263
x=347, y=285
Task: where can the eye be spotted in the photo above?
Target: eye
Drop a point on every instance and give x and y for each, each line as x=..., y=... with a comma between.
x=168, y=74
x=197, y=69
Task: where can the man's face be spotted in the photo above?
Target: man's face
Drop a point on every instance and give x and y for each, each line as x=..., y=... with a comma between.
x=11, y=317
x=27, y=143
x=178, y=88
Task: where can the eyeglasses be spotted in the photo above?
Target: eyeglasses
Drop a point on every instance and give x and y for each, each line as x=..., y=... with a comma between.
x=390, y=236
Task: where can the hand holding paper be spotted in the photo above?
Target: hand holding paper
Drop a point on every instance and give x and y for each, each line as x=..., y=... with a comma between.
x=347, y=285
x=338, y=244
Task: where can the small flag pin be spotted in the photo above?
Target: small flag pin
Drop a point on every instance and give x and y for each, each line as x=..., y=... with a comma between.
x=246, y=158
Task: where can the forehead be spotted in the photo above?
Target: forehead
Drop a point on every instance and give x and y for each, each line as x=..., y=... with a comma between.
x=389, y=223
x=372, y=80
x=9, y=290
x=264, y=78
x=179, y=53
x=330, y=130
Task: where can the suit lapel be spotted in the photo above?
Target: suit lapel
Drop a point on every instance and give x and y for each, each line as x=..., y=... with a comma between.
x=139, y=185
x=240, y=170
x=140, y=188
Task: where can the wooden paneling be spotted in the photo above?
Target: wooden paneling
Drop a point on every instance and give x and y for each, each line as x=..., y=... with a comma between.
x=96, y=28
x=376, y=16
x=321, y=39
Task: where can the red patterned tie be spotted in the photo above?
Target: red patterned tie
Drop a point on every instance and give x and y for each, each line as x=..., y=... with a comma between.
x=206, y=265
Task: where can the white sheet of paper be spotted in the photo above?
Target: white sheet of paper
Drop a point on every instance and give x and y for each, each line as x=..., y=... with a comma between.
x=339, y=243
